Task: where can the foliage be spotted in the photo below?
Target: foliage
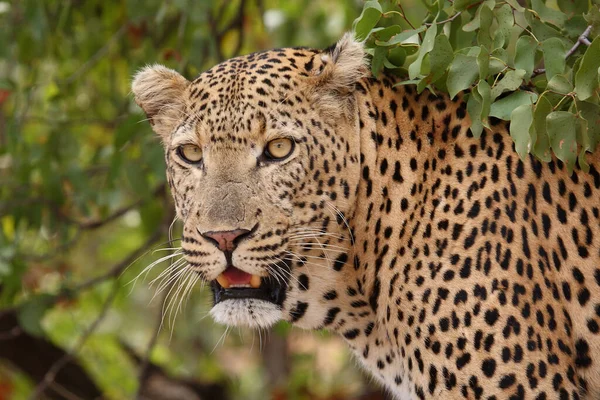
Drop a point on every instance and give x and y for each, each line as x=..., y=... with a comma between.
x=535, y=63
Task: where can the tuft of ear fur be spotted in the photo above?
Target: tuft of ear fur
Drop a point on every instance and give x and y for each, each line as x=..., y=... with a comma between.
x=343, y=66
x=159, y=91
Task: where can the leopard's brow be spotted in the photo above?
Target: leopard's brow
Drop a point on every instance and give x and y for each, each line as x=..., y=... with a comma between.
x=184, y=134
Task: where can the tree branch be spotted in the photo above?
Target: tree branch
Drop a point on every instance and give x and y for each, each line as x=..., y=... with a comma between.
x=93, y=224
x=452, y=18
x=50, y=376
x=34, y=356
x=582, y=39
x=117, y=269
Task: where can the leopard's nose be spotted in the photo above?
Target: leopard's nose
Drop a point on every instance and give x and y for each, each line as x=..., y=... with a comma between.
x=226, y=241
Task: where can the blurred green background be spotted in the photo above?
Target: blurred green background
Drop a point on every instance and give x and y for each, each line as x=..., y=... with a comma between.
x=84, y=207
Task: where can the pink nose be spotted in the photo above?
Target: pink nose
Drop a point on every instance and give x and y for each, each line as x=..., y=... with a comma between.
x=226, y=241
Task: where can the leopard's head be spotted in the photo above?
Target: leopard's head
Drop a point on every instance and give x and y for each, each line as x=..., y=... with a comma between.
x=263, y=163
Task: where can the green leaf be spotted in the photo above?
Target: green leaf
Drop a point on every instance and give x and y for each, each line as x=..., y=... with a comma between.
x=486, y=18
x=484, y=90
x=367, y=20
x=541, y=30
x=584, y=140
x=504, y=107
x=555, y=51
x=591, y=113
x=384, y=34
x=560, y=84
x=525, y=55
x=575, y=27
x=511, y=81
x=422, y=85
x=414, y=69
x=458, y=37
x=498, y=61
x=463, y=72
x=475, y=23
x=474, y=107
x=396, y=57
x=593, y=18
x=541, y=147
x=506, y=21
x=31, y=313
x=378, y=60
x=586, y=79
x=440, y=58
x=460, y=5
x=478, y=107
x=561, y=126
x=573, y=6
x=400, y=37
x=520, y=122
x=514, y=4
x=483, y=62
x=547, y=14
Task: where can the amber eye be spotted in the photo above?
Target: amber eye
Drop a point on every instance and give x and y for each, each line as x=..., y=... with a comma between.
x=190, y=153
x=279, y=148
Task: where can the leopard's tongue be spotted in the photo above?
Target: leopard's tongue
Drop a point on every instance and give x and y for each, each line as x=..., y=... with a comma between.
x=236, y=277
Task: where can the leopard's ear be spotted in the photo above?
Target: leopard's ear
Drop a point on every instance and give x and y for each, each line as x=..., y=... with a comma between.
x=341, y=67
x=159, y=91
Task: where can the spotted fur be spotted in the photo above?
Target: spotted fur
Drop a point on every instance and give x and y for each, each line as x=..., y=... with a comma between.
x=451, y=267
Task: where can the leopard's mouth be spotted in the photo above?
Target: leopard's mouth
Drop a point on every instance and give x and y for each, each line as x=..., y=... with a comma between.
x=233, y=284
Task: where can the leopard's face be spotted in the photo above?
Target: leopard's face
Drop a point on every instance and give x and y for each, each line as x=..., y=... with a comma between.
x=263, y=169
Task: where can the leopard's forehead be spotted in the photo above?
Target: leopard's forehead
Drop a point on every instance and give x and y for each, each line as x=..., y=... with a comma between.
x=252, y=78
x=269, y=84
x=278, y=63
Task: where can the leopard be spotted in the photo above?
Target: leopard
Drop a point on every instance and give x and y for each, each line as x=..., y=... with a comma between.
x=314, y=192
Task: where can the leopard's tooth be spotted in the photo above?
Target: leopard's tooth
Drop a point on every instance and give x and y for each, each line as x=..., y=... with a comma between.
x=255, y=281
x=223, y=281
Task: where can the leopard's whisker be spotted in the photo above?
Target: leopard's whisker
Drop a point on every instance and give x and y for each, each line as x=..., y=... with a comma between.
x=222, y=338
x=175, y=304
x=343, y=217
x=150, y=266
x=320, y=234
x=321, y=245
x=188, y=290
x=303, y=256
x=282, y=271
x=168, y=297
x=174, y=265
x=169, y=281
x=167, y=272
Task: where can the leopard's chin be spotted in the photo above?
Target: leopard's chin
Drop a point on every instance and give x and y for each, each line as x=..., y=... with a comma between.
x=242, y=299
x=246, y=312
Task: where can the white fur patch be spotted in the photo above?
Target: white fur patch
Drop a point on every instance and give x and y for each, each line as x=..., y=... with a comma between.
x=246, y=312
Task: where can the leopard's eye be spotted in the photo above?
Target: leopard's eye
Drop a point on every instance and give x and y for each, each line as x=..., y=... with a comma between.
x=279, y=149
x=190, y=153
